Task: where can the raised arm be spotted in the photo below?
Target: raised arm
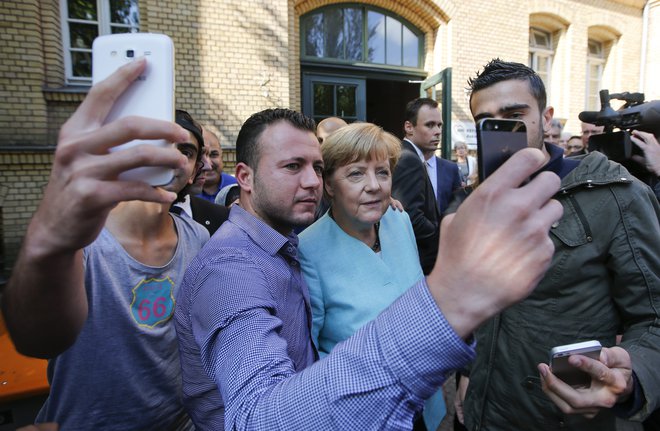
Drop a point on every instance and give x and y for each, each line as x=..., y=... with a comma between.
x=45, y=304
x=379, y=377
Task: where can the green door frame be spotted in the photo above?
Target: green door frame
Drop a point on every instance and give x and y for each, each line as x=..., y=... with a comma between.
x=444, y=78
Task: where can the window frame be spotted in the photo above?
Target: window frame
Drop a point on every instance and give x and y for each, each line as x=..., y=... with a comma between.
x=537, y=51
x=598, y=60
x=104, y=26
x=365, y=9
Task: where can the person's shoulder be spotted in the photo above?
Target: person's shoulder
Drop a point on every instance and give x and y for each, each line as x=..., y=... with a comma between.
x=228, y=179
x=446, y=162
x=217, y=210
x=596, y=168
x=316, y=232
x=101, y=243
x=395, y=218
x=408, y=149
x=395, y=215
x=409, y=157
x=188, y=229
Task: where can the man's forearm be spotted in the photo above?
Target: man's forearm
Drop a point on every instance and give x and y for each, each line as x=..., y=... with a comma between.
x=375, y=380
x=45, y=304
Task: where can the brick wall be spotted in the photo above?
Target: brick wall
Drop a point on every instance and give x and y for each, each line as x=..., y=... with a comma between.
x=233, y=57
x=23, y=176
x=22, y=106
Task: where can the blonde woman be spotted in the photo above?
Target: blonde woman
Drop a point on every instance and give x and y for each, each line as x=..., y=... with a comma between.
x=361, y=255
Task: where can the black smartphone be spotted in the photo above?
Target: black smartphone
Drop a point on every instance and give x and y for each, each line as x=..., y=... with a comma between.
x=497, y=140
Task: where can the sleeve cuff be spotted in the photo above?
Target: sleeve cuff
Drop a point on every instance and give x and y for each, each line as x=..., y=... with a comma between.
x=420, y=345
x=633, y=404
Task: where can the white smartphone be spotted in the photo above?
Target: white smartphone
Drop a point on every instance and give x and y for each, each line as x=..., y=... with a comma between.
x=562, y=369
x=151, y=95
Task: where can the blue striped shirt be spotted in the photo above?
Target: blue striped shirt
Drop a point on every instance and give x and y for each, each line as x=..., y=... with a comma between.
x=243, y=318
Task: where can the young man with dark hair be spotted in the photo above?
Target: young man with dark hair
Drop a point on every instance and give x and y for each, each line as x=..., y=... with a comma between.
x=188, y=204
x=604, y=278
x=243, y=313
x=94, y=284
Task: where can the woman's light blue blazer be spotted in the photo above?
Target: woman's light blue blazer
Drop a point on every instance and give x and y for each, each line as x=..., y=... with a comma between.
x=349, y=284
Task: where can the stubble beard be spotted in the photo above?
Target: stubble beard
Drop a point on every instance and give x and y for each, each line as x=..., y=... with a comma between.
x=279, y=217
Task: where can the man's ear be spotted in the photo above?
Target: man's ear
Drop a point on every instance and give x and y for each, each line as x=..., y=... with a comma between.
x=408, y=127
x=547, y=115
x=245, y=176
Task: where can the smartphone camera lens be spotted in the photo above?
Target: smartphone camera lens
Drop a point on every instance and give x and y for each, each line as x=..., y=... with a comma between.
x=130, y=53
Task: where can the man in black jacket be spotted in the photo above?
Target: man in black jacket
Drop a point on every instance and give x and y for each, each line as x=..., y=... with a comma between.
x=410, y=182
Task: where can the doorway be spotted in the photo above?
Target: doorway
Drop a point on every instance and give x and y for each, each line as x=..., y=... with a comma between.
x=375, y=99
x=386, y=103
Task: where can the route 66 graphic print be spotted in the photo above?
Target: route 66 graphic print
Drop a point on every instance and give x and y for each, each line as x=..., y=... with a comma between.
x=153, y=302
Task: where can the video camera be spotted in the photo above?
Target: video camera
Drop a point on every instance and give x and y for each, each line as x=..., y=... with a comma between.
x=635, y=114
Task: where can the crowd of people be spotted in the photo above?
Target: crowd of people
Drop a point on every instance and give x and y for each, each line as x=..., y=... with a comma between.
x=159, y=308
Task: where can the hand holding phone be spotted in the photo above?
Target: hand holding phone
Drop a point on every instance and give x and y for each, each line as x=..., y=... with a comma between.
x=611, y=383
x=151, y=95
x=497, y=140
x=566, y=372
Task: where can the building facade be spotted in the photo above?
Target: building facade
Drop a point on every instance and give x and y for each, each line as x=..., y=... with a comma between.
x=360, y=60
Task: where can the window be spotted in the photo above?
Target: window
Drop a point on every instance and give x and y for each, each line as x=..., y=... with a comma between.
x=360, y=34
x=595, y=64
x=331, y=96
x=541, y=52
x=82, y=21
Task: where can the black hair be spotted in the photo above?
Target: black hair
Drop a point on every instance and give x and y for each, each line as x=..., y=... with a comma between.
x=247, y=142
x=497, y=71
x=413, y=107
x=185, y=120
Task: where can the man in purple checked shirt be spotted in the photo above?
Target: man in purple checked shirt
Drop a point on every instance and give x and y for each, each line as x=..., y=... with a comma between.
x=243, y=314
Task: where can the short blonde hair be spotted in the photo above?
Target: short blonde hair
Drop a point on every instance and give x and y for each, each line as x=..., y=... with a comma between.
x=356, y=142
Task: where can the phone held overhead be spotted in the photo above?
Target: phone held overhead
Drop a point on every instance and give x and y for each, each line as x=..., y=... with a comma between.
x=151, y=95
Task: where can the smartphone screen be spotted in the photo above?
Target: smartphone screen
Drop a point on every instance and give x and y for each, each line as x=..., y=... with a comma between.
x=497, y=140
x=151, y=95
